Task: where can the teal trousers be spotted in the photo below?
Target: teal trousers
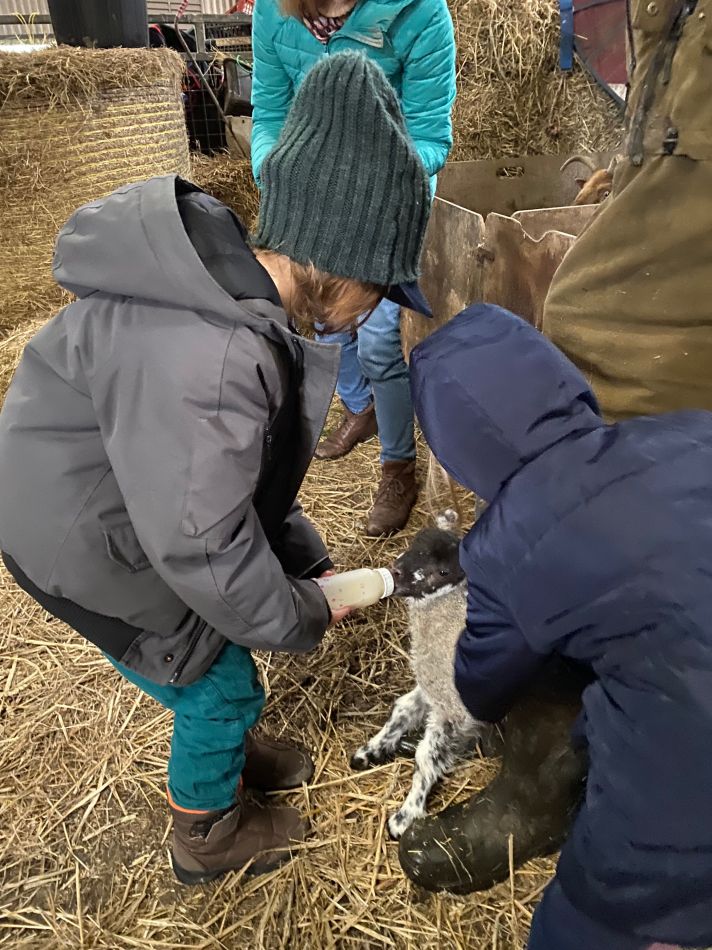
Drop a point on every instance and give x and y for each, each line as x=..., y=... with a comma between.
x=211, y=717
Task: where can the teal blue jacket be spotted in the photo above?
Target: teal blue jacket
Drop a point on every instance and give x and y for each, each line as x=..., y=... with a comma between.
x=411, y=40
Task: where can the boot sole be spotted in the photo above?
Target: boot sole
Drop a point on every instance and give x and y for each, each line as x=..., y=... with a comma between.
x=388, y=532
x=193, y=878
x=435, y=880
x=370, y=533
x=341, y=455
x=377, y=532
x=435, y=884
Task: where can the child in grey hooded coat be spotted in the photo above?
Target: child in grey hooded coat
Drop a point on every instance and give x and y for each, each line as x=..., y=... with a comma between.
x=157, y=431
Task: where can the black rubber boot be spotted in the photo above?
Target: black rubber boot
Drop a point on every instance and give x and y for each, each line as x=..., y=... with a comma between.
x=534, y=798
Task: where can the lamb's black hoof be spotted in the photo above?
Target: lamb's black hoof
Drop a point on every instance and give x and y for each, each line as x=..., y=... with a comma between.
x=361, y=761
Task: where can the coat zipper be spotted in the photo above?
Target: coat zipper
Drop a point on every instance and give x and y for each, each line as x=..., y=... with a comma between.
x=190, y=649
x=376, y=42
x=368, y=35
x=268, y=427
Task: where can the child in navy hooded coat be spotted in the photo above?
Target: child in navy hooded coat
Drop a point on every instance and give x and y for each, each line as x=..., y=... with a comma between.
x=597, y=546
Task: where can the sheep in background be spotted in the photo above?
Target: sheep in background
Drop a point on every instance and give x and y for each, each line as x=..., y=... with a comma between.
x=596, y=188
x=429, y=576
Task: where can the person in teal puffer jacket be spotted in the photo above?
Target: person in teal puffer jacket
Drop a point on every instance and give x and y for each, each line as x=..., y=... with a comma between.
x=413, y=42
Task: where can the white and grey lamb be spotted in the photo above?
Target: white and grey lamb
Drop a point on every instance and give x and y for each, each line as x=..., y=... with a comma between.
x=429, y=576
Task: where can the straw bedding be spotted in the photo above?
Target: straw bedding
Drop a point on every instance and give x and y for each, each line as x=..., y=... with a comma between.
x=512, y=97
x=84, y=831
x=74, y=125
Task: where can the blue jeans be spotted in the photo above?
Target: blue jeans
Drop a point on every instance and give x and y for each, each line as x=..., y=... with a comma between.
x=211, y=717
x=373, y=368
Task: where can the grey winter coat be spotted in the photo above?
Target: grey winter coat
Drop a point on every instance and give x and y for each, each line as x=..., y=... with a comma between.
x=156, y=433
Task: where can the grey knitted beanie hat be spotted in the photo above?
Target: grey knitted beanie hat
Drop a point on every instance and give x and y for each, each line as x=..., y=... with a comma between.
x=344, y=188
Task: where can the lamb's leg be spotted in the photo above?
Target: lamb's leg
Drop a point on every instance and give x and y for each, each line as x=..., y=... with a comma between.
x=434, y=757
x=407, y=713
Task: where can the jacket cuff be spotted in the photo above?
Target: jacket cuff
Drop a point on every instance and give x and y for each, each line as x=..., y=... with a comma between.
x=326, y=564
x=314, y=615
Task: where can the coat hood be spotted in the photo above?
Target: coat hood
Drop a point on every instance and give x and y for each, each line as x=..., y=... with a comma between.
x=492, y=393
x=136, y=243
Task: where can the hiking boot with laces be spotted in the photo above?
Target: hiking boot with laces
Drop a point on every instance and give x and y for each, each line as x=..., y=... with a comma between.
x=354, y=427
x=394, y=500
x=208, y=844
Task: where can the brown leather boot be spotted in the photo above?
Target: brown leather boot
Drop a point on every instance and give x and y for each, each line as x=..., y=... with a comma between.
x=354, y=427
x=208, y=844
x=274, y=766
x=394, y=500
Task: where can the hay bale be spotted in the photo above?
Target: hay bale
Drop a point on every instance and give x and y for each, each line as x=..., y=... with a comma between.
x=512, y=97
x=74, y=125
x=231, y=182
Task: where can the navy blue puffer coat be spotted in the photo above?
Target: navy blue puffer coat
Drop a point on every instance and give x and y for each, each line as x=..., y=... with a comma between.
x=597, y=545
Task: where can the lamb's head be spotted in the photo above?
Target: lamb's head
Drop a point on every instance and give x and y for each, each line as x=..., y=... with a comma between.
x=431, y=565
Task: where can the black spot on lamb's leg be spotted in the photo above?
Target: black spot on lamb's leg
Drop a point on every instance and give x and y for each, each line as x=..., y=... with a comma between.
x=407, y=713
x=434, y=757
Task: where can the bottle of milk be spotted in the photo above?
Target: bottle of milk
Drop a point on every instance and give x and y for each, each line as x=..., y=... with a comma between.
x=359, y=588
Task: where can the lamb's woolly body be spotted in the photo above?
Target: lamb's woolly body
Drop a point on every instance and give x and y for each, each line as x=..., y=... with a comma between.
x=435, y=624
x=437, y=610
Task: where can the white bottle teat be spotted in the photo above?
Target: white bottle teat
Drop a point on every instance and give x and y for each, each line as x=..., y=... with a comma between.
x=388, y=582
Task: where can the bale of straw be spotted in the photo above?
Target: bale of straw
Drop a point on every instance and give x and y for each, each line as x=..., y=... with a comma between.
x=231, y=182
x=512, y=97
x=74, y=125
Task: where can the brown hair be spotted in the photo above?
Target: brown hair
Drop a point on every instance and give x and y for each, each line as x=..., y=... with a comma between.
x=300, y=8
x=336, y=303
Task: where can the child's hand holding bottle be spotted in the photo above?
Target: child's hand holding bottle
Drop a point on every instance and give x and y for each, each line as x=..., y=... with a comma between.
x=352, y=589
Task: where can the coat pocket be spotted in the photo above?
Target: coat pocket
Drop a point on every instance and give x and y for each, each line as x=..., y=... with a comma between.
x=122, y=545
x=224, y=470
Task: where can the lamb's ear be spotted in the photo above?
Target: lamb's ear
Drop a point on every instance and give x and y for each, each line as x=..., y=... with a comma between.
x=447, y=520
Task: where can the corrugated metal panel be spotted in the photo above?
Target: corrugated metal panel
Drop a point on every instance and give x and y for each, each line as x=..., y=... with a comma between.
x=217, y=6
x=24, y=31
x=169, y=7
x=156, y=9
x=25, y=7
